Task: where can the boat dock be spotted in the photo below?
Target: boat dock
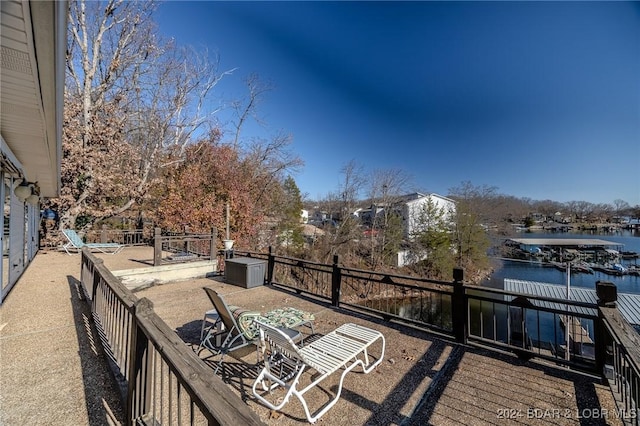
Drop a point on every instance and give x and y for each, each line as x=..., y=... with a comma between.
x=628, y=303
x=577, y=333
x=560, y=250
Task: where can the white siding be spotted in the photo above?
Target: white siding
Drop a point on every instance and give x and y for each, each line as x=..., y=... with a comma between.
x=411, y=211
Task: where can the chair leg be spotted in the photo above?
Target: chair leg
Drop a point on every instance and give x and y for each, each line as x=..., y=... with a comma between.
x=204, y=321
x=276, y=382
x=336, y=398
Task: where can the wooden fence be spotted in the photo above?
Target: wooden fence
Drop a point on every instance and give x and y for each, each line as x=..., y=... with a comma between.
x=162, y=379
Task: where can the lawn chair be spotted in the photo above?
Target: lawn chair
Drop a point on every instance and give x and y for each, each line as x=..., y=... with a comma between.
x=75, y=242
x=344, y=348
x=239, y=329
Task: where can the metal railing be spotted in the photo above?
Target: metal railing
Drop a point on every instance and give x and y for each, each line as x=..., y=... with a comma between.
x=411, y=299
x=408, y=298
x=177, y=248
x=531, y=326
x=558, y=330
x=127, y=237
x=301, y=275
x=168, y=383
x=621, y=366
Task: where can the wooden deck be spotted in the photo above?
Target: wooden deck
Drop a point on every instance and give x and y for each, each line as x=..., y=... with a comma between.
x=423, y=379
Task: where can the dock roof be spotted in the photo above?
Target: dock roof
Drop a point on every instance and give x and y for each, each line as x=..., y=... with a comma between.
x=628, y=304
x=591, y=242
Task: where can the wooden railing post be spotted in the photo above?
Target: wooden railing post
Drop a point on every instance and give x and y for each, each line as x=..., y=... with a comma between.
x=186, y=245
x=157, y=247
x=271, y=264
x=95, y=282
x=459, y=307
x=212, y=245
x=336, y=278
x=138, y=393
x=607, y=293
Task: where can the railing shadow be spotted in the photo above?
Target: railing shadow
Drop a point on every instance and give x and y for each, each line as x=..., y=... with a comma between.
x=240, y=370
x=468, y=384
x=102, y=396
x=389, y=411
x=525, y=391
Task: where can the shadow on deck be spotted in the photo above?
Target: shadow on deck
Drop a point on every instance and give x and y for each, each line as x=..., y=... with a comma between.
x=424, y=379
x=52, y=368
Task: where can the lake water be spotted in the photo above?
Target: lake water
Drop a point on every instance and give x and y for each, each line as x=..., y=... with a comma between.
x=536, y=272
x=543, y=328
x=547, y=329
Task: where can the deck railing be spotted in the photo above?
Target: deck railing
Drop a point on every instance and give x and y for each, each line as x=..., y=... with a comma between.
x=411, y=299
x=162, y=380
x=167, y=383
x=533, y=326
x=302, y=275
x=469, y=314
x=126, y=237
x=176, y=248
x=621, y=355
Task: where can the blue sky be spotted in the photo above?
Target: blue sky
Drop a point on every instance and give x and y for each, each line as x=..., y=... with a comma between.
x=541, y=100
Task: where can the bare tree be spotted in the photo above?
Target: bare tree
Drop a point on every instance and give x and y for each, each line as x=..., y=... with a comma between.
x=547, y=208
x=342, y=232
x=621, y=207
x=270, y=160
x=469, y=236
x=582, y=210
x=106, y=41
x=119, y=71
x=386, y=188
x=247, y=108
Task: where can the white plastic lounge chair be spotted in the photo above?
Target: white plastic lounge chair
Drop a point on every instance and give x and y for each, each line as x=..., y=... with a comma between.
x=344, y=348
x=76, y=243
x=239, y=329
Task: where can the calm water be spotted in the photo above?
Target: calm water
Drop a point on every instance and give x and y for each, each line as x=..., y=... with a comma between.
x=537, y=272
x=542, y=327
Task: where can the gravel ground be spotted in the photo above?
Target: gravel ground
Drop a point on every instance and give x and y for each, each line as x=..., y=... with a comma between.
x=52, y=368
x=53, y=371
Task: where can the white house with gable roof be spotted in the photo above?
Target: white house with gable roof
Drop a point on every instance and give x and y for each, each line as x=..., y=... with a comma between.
x=412, y=205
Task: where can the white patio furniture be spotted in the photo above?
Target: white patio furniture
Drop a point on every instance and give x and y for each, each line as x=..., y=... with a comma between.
x=235, y=328
x=74, y=242
x=344, y=348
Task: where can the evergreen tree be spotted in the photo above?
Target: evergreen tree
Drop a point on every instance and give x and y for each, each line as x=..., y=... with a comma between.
x=432, y=240
x=289, y=229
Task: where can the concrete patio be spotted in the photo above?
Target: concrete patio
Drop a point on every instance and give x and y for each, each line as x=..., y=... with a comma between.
x=53, y=372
